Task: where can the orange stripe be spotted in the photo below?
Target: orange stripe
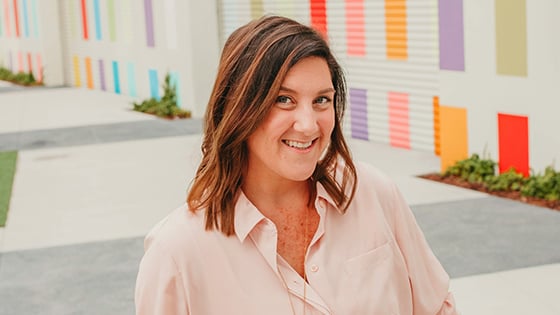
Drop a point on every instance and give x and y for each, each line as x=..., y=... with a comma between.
x=454, y=139
x=77, y=75
x=437, y=145
x=89, y=75
x=396, y=29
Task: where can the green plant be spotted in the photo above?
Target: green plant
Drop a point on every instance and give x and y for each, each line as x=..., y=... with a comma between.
x=166, y=106
x=21, y=78
x=7, y=172
x=473, y=169
x=545, y=186
x=507, y=181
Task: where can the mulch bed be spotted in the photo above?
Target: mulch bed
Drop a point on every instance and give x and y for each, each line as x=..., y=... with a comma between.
x=515, y=195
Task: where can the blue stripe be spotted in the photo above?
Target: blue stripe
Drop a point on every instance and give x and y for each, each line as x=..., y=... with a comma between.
x=154, y=84
x=97, y=19
x=25, y=19
x=116, y=77
x=131, y=80
x=174, y=76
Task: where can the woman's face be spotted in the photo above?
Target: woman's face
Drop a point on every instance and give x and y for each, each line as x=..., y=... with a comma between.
x=296, y=131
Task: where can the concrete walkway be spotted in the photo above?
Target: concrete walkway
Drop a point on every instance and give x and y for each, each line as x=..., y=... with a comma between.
x=93, y=177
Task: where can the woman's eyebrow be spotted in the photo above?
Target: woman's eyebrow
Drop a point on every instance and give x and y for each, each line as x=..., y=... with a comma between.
x=327, y=90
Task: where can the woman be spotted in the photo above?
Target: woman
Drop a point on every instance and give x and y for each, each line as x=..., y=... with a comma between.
x=279, y=219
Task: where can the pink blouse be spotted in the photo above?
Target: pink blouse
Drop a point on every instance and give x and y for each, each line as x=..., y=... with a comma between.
x=372, y=260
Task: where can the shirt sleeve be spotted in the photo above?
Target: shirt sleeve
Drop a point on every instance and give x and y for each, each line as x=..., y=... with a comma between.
x=428, y=280
x=159, y=286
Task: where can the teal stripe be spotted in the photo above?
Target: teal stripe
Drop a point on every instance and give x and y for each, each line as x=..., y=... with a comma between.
x=34, y=18
x=174, y=76
x=25, y=19
x=97, y=19
x=116, y=77
x=131, y=80
x=154, y=84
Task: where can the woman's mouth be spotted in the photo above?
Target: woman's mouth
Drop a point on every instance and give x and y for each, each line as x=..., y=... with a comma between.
x=298, y=145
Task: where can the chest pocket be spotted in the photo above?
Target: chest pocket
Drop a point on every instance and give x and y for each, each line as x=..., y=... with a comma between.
x=368, y=283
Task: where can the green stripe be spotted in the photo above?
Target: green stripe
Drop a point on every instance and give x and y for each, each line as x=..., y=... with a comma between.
x=7, y=171
x=111, y=13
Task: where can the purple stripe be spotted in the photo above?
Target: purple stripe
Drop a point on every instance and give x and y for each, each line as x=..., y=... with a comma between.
x=451, y=43
x=358, y=114
x=102, y=74
x=149, y=23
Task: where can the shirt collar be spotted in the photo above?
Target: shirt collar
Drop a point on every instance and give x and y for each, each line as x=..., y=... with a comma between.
x=246, y=217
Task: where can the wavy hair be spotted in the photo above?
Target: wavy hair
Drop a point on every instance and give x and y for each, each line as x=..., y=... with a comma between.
x=253, y=65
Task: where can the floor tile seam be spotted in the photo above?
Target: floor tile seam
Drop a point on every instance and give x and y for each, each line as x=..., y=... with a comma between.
x=69, y=244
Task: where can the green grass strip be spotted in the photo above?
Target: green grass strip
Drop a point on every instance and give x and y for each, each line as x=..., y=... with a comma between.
x=7, y=172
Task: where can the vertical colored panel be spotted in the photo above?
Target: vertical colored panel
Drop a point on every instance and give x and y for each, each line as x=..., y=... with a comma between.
x=358, y=114
x=511, y=37
x=34, y=18
x=29, y=63
x=97, y=15
x=39, y=68
x=73, y=18
x=318, y=10
x=395, y=29
x=16, y=17
x=451, y=37
x=77, y=74
x=355, y=28
x=20, y=61
x=7, y=18
x=171, y=23
x=453, y=135
x=437, y=126
x=513, y=139
x=84, y=19
x=1, y=23
x=102, y=75
x=154, y=84
x=111, y=18
x=399, y=126
x=89, y=73
x=174, y=78
x=256, y=9
x=149, y=15
x=25, y=18
x=116, y=79
x=131, y=79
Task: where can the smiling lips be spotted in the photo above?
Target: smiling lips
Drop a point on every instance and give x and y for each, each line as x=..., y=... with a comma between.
x=298, y=145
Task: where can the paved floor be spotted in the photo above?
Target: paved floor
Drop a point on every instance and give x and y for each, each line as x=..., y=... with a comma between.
x=93, y=176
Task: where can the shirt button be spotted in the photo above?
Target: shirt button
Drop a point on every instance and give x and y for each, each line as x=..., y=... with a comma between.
x=314, y=268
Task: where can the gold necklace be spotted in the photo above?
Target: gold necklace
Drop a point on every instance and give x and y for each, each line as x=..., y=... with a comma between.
x=305, y=222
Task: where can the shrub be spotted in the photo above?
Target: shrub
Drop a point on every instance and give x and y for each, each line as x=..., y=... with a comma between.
x=21, y=78
x=166, y=107
x=545, y=186
x=510, y=180
x=473, y=169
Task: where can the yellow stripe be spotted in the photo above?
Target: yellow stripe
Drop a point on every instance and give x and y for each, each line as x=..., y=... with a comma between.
x=453, y=133
x=77, y=75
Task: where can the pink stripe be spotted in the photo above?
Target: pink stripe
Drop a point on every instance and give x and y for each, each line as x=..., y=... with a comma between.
x=7, y=18
x=39, y=69
x=399, y=125
x=355, y=29
x=20, y=61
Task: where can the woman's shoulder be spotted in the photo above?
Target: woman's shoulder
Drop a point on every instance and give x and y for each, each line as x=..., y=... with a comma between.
x=176, y=231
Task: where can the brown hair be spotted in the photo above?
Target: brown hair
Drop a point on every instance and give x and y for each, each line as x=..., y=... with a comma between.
x=254, y=62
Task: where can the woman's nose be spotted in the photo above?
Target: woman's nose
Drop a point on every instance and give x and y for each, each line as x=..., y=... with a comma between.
x=306, y=120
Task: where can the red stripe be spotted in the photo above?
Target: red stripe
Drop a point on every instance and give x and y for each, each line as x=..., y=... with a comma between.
x=84, y=19
x=29, y=63
x=513, y=137
x=319, y=16
x=16, y=14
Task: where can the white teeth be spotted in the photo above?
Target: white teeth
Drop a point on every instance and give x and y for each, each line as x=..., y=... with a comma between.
x=298, y=145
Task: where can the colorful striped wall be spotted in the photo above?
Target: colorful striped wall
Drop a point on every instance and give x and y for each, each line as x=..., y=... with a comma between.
x=422, y=75
x=407, y=73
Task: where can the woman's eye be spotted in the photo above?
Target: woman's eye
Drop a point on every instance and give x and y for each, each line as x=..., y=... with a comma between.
x=323, y=100
x=283, y=100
